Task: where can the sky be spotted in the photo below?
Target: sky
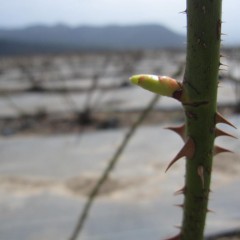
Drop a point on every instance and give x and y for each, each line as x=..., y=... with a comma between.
x=20, y=13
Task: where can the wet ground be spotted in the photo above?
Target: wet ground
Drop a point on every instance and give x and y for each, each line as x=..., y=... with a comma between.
x=45, y=180
x=49, y=162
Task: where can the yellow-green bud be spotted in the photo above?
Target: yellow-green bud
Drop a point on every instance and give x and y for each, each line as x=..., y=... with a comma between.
x=162, y=85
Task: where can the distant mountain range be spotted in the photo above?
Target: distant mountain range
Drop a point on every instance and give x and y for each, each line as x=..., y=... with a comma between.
x=61, y=38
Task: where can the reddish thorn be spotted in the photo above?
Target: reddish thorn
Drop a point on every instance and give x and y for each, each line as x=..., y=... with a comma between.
x=180, y=130
x=185, y=11
x=219, y=133
x=178, y=226
x=177, y=237
x=179, y=205
x=210, y=211
x=200, y=172
x=180, y=191
x=218, y=150
x=187, y=151
x=221, y=64
x=220, y=119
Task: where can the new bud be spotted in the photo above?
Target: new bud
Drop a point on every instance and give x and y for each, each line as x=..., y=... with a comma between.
x=162, y=85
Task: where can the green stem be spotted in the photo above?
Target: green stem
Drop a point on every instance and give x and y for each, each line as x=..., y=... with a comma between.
x=200, y=90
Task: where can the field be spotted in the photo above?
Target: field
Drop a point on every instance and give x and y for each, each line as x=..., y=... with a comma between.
x=62, y=119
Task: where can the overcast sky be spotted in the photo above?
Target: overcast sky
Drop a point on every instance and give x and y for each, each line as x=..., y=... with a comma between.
x=19, y=13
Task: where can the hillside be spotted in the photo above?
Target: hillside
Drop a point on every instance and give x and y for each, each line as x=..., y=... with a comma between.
x=57, y=38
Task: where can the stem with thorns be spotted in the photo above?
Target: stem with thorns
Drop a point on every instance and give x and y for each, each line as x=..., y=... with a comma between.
x=200, y=88
x=198, y=95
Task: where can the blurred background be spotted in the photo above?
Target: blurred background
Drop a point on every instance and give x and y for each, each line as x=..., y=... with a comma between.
x=83, y=153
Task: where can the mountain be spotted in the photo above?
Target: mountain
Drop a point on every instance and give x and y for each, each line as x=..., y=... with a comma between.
x=36, y=39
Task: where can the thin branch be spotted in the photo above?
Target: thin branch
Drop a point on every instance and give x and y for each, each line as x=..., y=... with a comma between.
x=93, y=194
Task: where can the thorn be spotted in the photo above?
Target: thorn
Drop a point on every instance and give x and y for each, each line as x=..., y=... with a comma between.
x=219, y=133
x=184, y=12
x=179, y=205
x=218, y=150
x=220, y=119
x=210, y=211
x=221, y=64
x=180, y=130
x=180, y=191
x=178, y=226
x=225, y=56
x=187, y=150
x=177, y=237
x=200, y=172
